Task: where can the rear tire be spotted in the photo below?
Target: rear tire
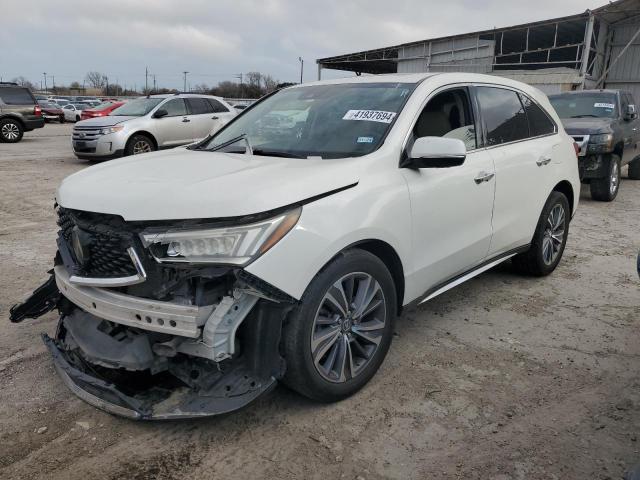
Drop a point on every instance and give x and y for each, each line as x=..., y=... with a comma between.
x=77, y=118
x=139, y=143
x=11, y=131
x=333, y=351
x=606, y=189
x=549, y=239
x=634, y=169
x=61, y=119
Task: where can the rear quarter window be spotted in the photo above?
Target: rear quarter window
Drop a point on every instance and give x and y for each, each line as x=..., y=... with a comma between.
x=539, y=121
x=217, y=106
x=16, y=96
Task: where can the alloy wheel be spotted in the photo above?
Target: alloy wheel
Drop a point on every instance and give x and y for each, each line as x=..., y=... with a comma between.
x=348, y=327
x=10, y=131
x=615, y=178
x=141, y=147
x=553, y=234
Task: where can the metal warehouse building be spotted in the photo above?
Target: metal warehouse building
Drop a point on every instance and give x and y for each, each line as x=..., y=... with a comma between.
x=595, y=49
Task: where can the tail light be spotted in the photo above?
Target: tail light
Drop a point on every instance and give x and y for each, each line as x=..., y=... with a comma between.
x=37, y=111
x=576, y=147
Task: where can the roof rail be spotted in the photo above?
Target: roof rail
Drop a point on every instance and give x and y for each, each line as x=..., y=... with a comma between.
x=9, y=83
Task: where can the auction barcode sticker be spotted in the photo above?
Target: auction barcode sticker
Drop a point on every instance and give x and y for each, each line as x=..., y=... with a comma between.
x=604, y=105
x=370, y=115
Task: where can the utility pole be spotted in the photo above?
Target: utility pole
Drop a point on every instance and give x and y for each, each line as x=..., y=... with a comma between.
x=239, y=76
x=184, y=88
x=107, y=90
x=154, y=82
x=53, y=77
x=301, y=60
x=44, y=74
x=146, y=79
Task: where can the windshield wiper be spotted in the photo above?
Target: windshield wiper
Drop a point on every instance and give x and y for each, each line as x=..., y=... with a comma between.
x=244, y=137
x=585, y=115
x=277, y=153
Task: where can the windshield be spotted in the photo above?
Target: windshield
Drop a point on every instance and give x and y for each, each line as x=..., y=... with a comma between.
x=328, y=121
x=48, y=104
x=81, y=106
x=579, y=105
x=138, y=107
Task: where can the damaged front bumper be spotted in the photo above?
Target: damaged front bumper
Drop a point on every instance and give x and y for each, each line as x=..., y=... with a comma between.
x=112, y=351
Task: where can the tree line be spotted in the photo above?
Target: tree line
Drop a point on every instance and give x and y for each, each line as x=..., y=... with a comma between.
x=252, y=85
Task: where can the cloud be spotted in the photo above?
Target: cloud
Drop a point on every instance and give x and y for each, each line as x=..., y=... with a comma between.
x=216, y=40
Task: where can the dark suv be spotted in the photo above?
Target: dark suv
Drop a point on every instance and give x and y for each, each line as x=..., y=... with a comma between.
x=19, y=112
x=605, y=125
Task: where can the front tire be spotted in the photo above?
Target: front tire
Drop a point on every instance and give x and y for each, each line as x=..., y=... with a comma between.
x=606, y=189
x=549, y=239
x=338, y=336
x=634, y=169
x=11, y=131
x=139, y=144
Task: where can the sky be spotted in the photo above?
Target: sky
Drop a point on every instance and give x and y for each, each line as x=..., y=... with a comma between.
x=216, y=40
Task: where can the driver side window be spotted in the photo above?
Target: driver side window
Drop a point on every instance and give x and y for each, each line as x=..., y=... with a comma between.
x=448, y=114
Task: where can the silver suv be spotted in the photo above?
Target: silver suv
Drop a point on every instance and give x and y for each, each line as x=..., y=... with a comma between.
x=150, y=123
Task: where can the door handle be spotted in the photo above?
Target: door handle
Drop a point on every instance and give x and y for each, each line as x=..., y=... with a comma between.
x=215, y=118
x=186, y=120
x=543, y=161
x=483, y=177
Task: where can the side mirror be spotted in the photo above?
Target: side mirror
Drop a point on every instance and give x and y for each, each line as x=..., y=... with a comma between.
x=436, y=152
x=630, y=112
x=160, y=113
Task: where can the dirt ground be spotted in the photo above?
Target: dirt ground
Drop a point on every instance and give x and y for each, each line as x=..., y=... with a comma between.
x=502, y=378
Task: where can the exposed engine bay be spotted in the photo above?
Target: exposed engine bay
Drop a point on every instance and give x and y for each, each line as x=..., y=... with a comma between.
x=152, y=340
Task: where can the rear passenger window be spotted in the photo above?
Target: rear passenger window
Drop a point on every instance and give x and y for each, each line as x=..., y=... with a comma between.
x=217, y=106
x=503, y=115
x=199, y=106
x=539, y=121
x=16, y=96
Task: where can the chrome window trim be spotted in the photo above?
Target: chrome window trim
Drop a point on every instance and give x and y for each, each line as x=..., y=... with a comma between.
x=139, y=277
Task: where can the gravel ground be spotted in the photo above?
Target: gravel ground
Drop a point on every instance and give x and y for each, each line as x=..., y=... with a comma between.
x=502, y=378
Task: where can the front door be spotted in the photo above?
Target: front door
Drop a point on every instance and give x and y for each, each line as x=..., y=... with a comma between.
x=175, y=127
x=451, y=207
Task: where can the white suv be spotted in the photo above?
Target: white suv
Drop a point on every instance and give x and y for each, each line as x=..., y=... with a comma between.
x=150, y=123
x=283, y=247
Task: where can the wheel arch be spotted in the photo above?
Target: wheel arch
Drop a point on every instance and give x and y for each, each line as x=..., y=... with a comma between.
x=146, y=134
x=388, y=255
x=16, y=118
x=566, y=189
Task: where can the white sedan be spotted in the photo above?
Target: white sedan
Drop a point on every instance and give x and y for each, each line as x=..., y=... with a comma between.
x=72, y=111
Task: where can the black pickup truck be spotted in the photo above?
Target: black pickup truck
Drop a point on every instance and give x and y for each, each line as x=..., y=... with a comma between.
x=605, y=125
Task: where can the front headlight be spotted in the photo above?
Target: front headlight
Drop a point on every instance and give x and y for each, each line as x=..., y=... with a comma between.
x=236, y=245
x=108, y=130
x=601, y=143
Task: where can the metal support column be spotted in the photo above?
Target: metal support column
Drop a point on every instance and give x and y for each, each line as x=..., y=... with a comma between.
x=586, y=49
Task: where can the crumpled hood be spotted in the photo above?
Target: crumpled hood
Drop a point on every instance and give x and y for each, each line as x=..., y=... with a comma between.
x=183, y=184
x=106, y=121
x=587, y=125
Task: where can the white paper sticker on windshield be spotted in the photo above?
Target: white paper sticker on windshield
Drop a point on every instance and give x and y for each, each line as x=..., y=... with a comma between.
x=365, y=139
x=604, y=105
x=370, y=115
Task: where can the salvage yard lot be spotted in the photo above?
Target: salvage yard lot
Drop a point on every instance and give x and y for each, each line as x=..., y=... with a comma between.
x=504, y=377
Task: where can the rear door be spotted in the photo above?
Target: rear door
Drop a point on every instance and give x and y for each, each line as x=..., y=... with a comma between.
x=523, y=157
x=201, y=114
x=630, y=130
x=18, y=100
x=222, y=113
x=174, y=128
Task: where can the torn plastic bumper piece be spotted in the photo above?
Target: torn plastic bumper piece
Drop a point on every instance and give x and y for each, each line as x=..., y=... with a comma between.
x=44, y=299
x=107, y=397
